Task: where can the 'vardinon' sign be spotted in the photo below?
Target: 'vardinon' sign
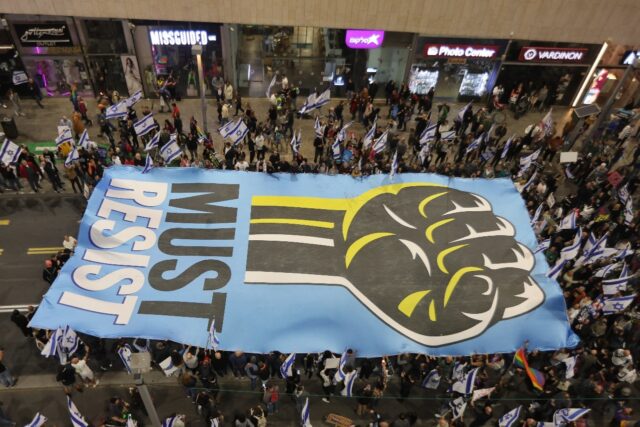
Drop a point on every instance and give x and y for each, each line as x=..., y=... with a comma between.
x=304, y=263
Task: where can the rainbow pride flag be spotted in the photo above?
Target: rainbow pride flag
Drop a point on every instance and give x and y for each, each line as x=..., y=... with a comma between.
x=536, y=377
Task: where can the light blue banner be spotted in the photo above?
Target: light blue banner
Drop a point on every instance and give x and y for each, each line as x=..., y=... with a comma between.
x=305, y=263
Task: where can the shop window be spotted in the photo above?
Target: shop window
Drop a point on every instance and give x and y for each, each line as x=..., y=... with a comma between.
x=105, y=36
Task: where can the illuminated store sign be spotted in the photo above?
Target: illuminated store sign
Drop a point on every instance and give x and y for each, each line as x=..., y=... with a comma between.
x=435, y=50
x=553, y=54
x=180, y=37
x=364, y=39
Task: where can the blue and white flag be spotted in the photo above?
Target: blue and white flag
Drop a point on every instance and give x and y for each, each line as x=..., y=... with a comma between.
x=467, y=383
x=507, y=145
x=529, y=182
x=570, y=363
x=483, y=392
x=133, y=99
x=616, y=305
x=623, y=194
x=286, y=369
x=305, y=418
x=171, y=150
x=542, y=246
x=349, y=381
x=273, y=82
x=131, y=422
x=19, y=77
x=296, y=141
x=562, y=417
x=569, y=221
x=394, y=164
x=148, y=164
x=309, y=104
x=590, y=243
x=462, y=112
x=568, y=174
x=448, y=135
x=323, y=98
x=37, y=421
x=336, y=150
x=167, y=366
x=318, y=128
x=170, y=421
x=236, y=132
x=554, y=272
x=342, y=133
x=628, y=211
x=153, y=142
x=368, y=137
x=510, y=418
x=429, y=133
x=381, y=143
x=571, y=251
x=432, y=380
x=213, y=341
x=68, y=345
x=625, y=252
x=125, y=355
x=604, y=271
x=9, y=152
x=144, y=125
x=527, y=161
x=458, y=406
x=547, y=123
x=613, y=286
x=51, y=347
x=116, y=111
x=457, y=373
x=597, y=248
x=475, y=144
x=72, y=157
x=424, y=153
x=64, y=136
x=215, y=422
x=84, y=141
x=537, y=213
x=340, y=373
x=77, y=420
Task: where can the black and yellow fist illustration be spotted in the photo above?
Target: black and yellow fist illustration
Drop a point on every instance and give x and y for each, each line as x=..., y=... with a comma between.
x=434, y=263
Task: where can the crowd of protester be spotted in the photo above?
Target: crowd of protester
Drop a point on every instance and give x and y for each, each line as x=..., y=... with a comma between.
x=596, y=190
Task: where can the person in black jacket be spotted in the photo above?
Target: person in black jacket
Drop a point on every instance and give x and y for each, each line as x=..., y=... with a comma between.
x=21, y=322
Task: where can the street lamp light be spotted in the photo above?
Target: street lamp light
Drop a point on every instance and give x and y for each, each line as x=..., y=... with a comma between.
x=197, y=51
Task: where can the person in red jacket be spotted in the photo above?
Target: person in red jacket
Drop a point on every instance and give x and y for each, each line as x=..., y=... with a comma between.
x=28, y=171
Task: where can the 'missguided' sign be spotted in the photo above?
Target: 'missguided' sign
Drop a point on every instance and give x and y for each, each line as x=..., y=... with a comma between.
x=303, y=263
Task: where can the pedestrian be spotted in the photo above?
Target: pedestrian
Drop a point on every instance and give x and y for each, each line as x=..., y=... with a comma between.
x=5, y=421
x=84, y=371
x=35, y=92
x=28, y=172
x=67, y=377
x=22, y=322
x=15, y=102
x=6, y=378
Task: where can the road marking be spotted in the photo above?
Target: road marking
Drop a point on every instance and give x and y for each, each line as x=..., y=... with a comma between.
x=44, y=251
x=1, y=252
x=20, y=307
x=5, y=222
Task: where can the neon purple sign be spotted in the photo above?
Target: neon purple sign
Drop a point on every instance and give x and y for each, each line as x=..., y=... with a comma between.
x=364, y=39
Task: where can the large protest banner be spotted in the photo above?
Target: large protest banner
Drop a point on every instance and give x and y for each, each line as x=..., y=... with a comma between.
x=304, y=263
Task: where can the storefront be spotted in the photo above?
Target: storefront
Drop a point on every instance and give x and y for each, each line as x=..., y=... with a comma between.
x=606, y=76
x=10, y=63
x=313, y=58
x=52, y=54
x=554, y=71
x=164, y=53
x=457, y=69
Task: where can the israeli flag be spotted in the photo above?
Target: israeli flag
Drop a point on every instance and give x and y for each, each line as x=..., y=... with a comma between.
x=125, y=355
x=628, y=211
x=144, y=125
x=547, y=123
x=286, y=370
x=507, y=145
x=342, y=134
x=305, y=419
x=153, y=143
x=215, y=422
x=623, y=194
x=64, y=136
x=570, y=362
x=510, y=418
x=475, y=144
x=527, y=161
x=562, y=417
x=309, y=104
x=170, y=421
x=237, y=133
x=68, y=345
x=9, y=152
x=19, y=77
x=557, y=269
x=318, y=128
x=77, y=420
x=428, y=134
x=432, y=380
x=131, y=422
x=349, y=381
x=37, y=421
x=529, y=182
x=466, y=385
x=571, y=251
x=569, y=221
x=604, y=271
x=133, y=99
x=324, y=98
x=616, y=305
x=72, y=157
x=457, y=407
x=381, y=143
x=84, y=141
x=148, y=164
x=335, y=148
x=591, y=241
x=296, y=141
x=598, y=247
x=542, y=246
x=368, y=137
x=167, y=366
x=116, y=111
x=483, y=392
x=568, y=174
x=424, y=153
x=273, y=82
x=394, y=164
x=171, y=150
x=613, y=286
x=214, y=342
x=448, y=136
x=341, y=374
x=625, y=252
x=536, y=215
x=462, y=112
x=51, y=347
x=457, y=373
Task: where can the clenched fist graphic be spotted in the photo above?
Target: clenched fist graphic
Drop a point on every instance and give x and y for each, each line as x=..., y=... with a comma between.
x=434, y=263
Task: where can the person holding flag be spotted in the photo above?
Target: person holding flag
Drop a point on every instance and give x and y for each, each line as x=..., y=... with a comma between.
x=171, y=150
